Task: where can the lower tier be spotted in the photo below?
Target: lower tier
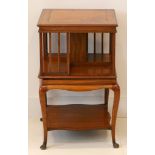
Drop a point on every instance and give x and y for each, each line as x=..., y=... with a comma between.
x=77, y=117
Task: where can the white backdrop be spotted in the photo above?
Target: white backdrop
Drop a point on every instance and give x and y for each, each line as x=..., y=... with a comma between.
x=35, y=7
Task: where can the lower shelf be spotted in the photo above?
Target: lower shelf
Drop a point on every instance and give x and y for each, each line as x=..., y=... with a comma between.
x=77, y=117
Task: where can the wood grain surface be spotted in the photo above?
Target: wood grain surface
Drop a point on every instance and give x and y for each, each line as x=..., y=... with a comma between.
x=77, y=17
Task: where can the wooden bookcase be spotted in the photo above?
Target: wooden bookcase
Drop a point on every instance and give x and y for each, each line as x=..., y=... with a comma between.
x=70, y=60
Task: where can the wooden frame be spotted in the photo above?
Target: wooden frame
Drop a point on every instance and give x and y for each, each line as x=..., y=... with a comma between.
x=77, y=70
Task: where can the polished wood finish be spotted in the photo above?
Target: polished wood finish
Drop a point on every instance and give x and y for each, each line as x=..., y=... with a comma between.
x=77, y=69
x=78, y=17
x=76, y=82
x=43, y=102
x=78, y=117
x=78, y=46
x=99, y=66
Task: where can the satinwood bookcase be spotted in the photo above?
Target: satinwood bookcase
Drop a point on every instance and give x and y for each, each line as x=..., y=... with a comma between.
x=71, y=60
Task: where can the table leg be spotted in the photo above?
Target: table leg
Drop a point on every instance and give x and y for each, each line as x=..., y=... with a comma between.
x=116, y=90
x=43, y=103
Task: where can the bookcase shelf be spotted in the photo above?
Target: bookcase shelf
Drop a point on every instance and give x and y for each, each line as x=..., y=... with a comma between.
x=77, y=53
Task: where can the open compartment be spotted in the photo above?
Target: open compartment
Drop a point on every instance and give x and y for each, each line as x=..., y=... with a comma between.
x=76, y=54
x=91, y=54
x=55, y=53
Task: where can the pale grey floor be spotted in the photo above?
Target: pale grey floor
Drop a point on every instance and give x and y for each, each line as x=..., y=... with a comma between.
x=77, y=143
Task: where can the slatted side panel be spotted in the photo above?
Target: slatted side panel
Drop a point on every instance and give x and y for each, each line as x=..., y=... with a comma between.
x=99, y=47
x=54, y=58
x=99, y=43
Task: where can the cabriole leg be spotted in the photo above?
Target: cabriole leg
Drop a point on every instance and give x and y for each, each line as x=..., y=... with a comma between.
x=116, y=90
x=43, y=103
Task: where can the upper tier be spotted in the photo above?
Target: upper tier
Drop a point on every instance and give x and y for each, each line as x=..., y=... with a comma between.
x=77, y=17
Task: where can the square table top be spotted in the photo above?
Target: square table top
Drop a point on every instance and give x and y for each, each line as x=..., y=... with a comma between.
x=77, y=17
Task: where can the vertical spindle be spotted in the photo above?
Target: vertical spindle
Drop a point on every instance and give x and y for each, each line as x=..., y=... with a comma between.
x=41, y=52
x=94, y=43
x=112, y=50
x=49, y=44
x=68, y=53
x=45, y=47
x=110, y=43
x=58, y=51
x=102, y=43
x=50, y=51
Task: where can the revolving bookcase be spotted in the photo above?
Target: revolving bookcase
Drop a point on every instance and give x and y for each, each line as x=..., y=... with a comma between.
x=77, y=53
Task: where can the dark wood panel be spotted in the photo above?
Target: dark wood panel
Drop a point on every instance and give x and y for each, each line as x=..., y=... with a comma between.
x=78, y=47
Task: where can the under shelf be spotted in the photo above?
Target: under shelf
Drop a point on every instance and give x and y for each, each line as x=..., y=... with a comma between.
x=78, y=117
